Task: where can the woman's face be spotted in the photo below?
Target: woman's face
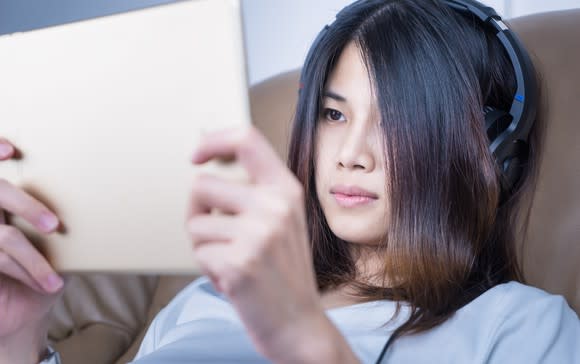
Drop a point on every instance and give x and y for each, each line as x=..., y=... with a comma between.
x=350, y=173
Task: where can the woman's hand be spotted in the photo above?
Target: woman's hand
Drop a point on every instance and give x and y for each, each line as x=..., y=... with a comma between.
x=28, y=284
x=257, y=252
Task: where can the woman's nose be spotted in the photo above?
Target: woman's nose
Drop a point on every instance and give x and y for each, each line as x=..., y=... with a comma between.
x=358, y=150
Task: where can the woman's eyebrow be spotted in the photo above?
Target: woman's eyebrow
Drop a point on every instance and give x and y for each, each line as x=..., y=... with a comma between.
x=334, y=96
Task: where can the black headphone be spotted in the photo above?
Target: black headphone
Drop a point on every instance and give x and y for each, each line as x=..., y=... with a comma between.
x=507, y=131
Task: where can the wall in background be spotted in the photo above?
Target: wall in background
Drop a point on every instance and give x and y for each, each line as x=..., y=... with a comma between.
x=278, y=32
x=525, y=7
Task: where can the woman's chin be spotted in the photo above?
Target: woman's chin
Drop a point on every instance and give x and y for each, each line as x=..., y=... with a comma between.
x=356, y=236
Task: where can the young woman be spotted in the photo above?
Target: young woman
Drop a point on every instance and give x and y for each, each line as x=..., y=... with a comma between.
x=392, y=222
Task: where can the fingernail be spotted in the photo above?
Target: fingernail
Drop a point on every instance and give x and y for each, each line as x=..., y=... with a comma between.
x=53, y=282
x=48, y=221
x=5, y=149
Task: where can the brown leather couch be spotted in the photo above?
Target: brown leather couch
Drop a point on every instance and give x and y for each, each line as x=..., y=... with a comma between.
x=102, y=318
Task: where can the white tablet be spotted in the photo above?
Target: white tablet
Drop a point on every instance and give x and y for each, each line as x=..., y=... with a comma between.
x=107, y=113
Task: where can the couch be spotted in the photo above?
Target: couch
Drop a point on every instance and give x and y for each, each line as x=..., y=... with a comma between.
x=102, y=318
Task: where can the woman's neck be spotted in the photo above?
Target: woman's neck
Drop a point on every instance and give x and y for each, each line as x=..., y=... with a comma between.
x=338, y=297
x=368, y=266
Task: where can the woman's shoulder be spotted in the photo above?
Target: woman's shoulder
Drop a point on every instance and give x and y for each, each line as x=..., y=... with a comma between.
x=514, y=300
x=199, y=292
x=201, y=284
x=514, y=290
x=502, y=299
x=198, y=300
x=531, y=322
x=509, y=323
x=515, y=303
x=196, y=296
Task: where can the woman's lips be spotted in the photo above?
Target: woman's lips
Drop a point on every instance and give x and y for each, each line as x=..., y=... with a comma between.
x=352, y=196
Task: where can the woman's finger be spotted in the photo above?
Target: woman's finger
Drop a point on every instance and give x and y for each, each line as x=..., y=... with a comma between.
x=213, y=228
x=6, y=149
x=212, y=259
x=16, y=245
x=18, y=202
x=248, y=146
x=211, y=192
x=11, y=268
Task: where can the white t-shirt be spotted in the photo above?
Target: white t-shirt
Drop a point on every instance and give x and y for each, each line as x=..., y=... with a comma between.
x=510, y=323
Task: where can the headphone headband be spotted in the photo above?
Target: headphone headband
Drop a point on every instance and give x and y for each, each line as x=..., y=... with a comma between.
x=521, y=112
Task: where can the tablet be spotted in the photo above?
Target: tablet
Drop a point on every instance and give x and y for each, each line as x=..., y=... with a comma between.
x=107, y=113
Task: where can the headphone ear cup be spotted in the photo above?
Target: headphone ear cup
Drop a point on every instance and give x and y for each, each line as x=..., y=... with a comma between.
x=496, y=122
x=512, y=169
x=514, y=165
x=510, y=165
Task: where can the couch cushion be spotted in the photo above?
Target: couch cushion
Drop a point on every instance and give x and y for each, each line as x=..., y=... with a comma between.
x=99, y=315
x=551, y=250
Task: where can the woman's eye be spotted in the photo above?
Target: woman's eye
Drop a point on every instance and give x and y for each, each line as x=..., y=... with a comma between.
x=333, y=115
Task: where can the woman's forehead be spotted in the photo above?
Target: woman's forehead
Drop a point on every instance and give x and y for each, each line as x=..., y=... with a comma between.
x=351, y=77
x=350, y=81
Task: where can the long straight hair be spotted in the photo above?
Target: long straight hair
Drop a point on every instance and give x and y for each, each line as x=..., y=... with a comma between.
x=447, y=239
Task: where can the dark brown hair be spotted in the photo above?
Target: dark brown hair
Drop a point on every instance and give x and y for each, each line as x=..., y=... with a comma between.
x=448, y=238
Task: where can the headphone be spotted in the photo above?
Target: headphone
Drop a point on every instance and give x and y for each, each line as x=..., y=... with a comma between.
x=507, y=131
